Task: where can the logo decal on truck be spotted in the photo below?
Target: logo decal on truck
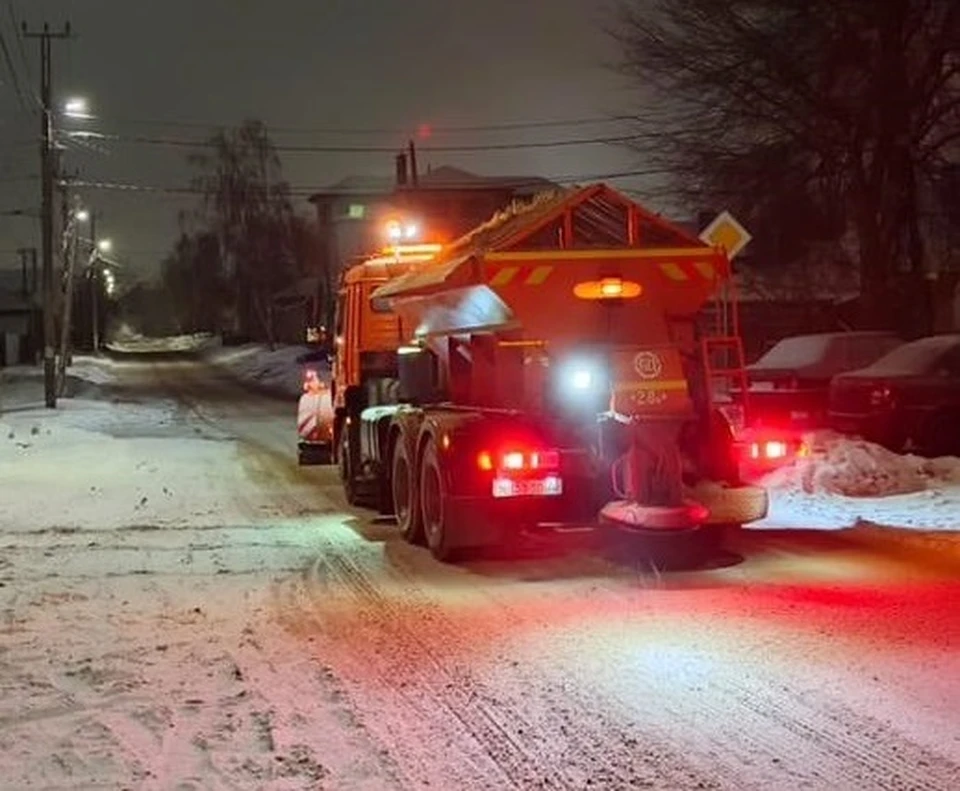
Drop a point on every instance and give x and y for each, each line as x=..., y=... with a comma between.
x=648, y=365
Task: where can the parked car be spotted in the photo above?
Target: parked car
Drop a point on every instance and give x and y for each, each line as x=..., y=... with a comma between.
x=908, y=398
x=790, y=384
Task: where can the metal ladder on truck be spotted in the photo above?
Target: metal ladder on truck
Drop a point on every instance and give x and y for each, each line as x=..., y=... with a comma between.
x=724, y=363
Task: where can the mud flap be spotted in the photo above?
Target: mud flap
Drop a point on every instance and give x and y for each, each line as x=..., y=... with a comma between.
x=315, y=427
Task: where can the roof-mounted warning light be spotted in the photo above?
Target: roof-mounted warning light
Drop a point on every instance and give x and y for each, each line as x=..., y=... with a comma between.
x=398, y=231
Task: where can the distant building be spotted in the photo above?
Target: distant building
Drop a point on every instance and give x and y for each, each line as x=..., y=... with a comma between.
x=352, y=213
x=20, y=319
x=348, y=213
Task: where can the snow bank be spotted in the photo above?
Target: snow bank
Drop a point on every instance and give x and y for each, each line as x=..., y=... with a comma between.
x=276, y=370
x=843, y=482
x=131, y=342
x=854, y=468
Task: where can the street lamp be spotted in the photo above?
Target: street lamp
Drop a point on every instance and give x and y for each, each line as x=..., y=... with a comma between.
x=76, y=107
x=81, y=215
x=104, y=245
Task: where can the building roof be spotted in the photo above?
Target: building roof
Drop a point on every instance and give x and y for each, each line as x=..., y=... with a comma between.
x=445, y=177
x=356, y=186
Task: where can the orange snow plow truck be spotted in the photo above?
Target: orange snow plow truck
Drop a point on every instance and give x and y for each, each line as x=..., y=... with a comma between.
x=547, y=371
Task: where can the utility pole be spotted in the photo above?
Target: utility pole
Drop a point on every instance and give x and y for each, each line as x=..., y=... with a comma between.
x=94, y=286
x=46, y=38
x=71, y=241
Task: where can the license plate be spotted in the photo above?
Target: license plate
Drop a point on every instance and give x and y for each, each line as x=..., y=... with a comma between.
x=544, y=487
x=762, y=387
x=799, y=415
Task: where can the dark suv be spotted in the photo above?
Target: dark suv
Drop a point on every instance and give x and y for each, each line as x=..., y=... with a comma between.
x=909, y=398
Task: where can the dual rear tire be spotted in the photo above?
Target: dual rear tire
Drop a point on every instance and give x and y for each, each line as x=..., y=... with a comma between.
x=419, y=499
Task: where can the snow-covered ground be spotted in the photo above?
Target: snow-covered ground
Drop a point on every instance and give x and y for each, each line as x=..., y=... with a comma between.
x=181, y=607
x=276, y=371
x=139, y=550
x=844, y=482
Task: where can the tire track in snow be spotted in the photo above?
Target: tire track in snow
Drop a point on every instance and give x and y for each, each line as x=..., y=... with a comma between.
x=556, y=748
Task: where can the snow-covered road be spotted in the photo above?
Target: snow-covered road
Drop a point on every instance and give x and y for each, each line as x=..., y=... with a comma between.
x=186, y=608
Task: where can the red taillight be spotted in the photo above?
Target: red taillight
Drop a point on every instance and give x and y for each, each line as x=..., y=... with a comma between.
x=769, y=450
x=519, y=460
x=514, y=460
x=880, y=396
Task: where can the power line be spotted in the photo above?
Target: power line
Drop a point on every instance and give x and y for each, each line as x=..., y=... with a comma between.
x=23, y=51
x=304, y=191
x=326, y=149
x=13, y=73
x=398, y=131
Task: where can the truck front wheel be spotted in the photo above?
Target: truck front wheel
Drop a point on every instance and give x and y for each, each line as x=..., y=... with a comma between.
x=406, y=503
x=345, y=464
x=436, y=525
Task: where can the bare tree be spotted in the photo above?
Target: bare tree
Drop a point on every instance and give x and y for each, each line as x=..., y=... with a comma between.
x=246, y=204
x=832, y=118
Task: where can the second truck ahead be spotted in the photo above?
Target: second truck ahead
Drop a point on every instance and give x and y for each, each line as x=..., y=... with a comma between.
x=547, y=370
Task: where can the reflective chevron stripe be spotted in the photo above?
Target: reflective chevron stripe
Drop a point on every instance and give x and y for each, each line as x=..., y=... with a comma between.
x=506, y=275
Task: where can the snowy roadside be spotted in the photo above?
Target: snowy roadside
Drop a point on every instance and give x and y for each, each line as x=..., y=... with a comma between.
x=138, y=646
x=276, y=372
x=844, y=483
x=114, y=460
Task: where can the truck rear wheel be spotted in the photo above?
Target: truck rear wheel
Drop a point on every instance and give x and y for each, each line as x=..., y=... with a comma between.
x=404, y=487
x=436, y=525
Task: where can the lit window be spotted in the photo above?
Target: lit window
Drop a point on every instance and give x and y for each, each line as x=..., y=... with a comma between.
x=356, y=211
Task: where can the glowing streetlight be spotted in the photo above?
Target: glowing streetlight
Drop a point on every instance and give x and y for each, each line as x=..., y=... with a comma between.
x=104, y=245
x=76, y=107
x=81, y=215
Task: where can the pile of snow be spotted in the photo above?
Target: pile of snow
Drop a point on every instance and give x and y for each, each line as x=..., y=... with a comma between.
x=21, y=386
x=854, y=468
x=842, y=482
x=277, y=370
x=131, y=342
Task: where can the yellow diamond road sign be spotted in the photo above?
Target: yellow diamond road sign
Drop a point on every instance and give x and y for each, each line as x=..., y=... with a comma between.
x=727, y=233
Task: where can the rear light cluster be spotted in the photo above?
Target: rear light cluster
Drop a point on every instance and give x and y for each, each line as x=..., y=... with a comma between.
x=771, y=450
x=776, y=450
x=518, y=461
x=522, y=473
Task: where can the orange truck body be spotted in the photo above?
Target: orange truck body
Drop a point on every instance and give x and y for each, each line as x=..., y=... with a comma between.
x=583, y=269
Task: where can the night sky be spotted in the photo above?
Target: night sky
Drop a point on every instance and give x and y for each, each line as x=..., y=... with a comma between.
x=174, y=68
